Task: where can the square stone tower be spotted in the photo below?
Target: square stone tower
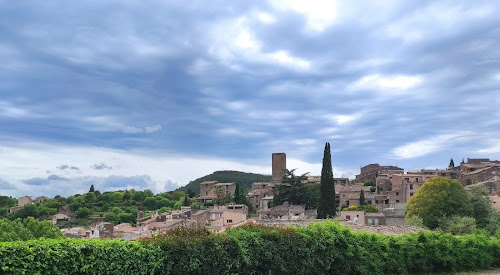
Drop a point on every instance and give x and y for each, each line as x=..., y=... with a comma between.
x=279, y=166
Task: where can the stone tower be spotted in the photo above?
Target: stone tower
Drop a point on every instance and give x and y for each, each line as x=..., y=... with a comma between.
x=279, y=166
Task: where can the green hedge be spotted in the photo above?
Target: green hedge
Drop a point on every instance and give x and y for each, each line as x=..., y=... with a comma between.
x=66, y=256
x=323, y=248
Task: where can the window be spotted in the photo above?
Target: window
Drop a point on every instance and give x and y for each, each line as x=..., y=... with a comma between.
x=376, y=201
x=348, y=217
x=416, y=179
x=229, y=221
x=220, y=215
x=397, y=193
x=213, y=217
x=411, y=194
x=369, y=202
x=381, y=189
x=411, y=185
x=397, y=200
x=370, y=221
x=407, y=179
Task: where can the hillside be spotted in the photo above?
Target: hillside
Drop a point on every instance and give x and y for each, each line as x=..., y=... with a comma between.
x=244, y=179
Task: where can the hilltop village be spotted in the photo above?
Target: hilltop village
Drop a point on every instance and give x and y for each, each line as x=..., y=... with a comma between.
x=385, y=188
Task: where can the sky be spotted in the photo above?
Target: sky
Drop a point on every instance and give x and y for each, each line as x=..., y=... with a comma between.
x=132, y=94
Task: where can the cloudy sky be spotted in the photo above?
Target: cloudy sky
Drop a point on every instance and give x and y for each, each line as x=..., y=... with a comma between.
x=134, y=94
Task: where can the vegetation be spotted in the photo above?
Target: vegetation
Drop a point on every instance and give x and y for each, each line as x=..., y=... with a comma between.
x=245, y=180
x=327, y=207
x=27, y=229
x=294, y=191
x=443, y=203
x=367, y=208
x=320, y=248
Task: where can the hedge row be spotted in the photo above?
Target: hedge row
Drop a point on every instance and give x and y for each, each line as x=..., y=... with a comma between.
x=324, y=248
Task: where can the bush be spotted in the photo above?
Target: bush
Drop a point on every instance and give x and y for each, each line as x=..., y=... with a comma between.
x=320, y=248
x=27, y=229
x=457, y=225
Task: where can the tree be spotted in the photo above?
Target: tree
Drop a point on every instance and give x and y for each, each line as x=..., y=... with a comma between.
x=92, y=189
x=83, y=213
x=190, y=193
x=29, y=210
x=437, y=199
x=327, y=207
x=291, y=189
x=362, y=200
x=452, y=164
x=186, y=201
x=237, y=194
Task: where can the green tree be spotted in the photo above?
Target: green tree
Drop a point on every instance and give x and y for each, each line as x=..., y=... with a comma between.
x=29, y=210
x=92, y=189
x=291, y=189
x=186, y=201
x=112, y=217
x=237, y=194
x=362, y=200
x=481, y=205
x=327, y=207
x=439, y=198
x=150, y=203
x=83, y=213
x=452, y=164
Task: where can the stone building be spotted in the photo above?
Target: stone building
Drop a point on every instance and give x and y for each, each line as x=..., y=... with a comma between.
x=208, y=190
x=349, y=195
x=259, y=191
x=476, y=171
x=278, y=167
x=217, y=218
x=285, y=211
x=371, y=171
x=21, y=202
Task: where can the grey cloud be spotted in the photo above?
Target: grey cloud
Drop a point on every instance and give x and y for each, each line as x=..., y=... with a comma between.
x=101, y=166
x=67, y=167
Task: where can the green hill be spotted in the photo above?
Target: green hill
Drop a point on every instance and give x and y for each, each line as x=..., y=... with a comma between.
x=244, y=179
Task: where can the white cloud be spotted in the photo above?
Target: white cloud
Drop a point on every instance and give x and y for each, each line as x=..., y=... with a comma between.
x=233, y=41
x=29, y=161
x=428, y=146
x=320, y=14
x=265, y=17
x=112, y=124
x=284, y=58
x=344, y=119
x=152, y=129
x=380, y=82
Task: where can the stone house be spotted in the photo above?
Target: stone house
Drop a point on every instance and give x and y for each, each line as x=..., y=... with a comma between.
x=208, y=190
x=371, y=171
x=259, y=191
x=349, y=194
x=21, y=202
x=285, y=211
x=102, y=230
x=217, y=218
x=357, y=217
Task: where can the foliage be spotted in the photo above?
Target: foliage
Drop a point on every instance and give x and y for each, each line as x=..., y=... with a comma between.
x=29, y=210
x=320, y=248
x=83, y=212
x=27, y=229
x=7, y=201
x=362, y=200
x=368, y=183
x=327, y=207
x=245, y=180
x=457, y=225
x=295, y=191
x=367, y=208
x=437, y=199
x=92, y=189
x=415, y=221
x=79, y=257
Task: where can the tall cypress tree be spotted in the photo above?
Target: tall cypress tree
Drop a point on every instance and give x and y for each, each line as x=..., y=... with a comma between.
x=237, y=194
x=327, y=207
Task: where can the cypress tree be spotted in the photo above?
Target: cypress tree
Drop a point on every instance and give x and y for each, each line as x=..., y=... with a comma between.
x=327, y=207
x=92, y=188
x=362, y=200
x=186, y=201
x=237, y=194
x=452, y=164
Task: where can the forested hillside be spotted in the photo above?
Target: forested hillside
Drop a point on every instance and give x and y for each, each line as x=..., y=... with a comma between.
x=244, y=179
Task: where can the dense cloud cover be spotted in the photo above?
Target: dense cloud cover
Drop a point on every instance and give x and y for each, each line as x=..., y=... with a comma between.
x=158, y=94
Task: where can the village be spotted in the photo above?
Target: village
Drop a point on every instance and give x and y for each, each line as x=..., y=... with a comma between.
x=386, y=189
